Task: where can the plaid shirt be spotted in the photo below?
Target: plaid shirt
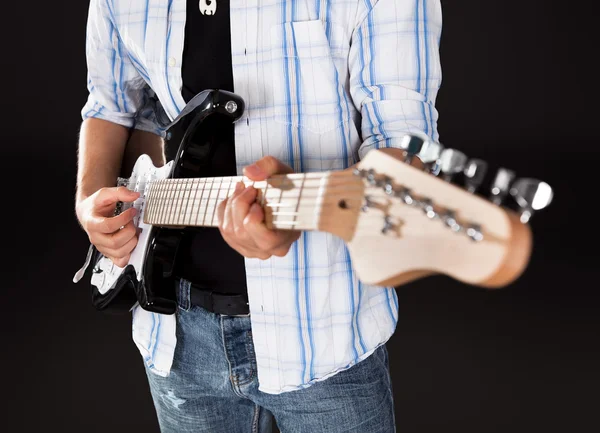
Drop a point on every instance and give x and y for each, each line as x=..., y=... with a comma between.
x=324, y=82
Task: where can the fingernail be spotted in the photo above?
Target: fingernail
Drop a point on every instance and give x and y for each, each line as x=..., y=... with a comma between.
x=254, y=170
x=239, y=186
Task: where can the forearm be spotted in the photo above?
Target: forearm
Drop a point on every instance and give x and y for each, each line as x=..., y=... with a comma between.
x=100, y=153
x=142, y=142
x=396, y=153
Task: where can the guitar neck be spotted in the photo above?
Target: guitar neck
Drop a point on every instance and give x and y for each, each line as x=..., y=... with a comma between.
x=290, y=202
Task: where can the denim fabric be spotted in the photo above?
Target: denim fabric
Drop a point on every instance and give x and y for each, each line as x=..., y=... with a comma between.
x=213, y=386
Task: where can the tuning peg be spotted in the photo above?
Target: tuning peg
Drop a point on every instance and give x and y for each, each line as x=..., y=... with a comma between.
x=430, y=156
x=452, y=162
x=501, y=185
x=474, y=173
x=412, y=145
x=531, y=195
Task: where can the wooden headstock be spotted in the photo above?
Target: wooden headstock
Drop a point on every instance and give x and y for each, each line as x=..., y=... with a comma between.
x=401, y=223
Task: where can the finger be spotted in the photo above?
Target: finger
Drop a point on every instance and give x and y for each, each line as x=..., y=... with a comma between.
x=118, y=253
x=117, y=239
x=265, y=167
x=111, y=224
x=121, y=262
x=244, y=250
x=264, y=238
x=240, y=208
x=227, y=216
x=289, y=237
x=110, y=196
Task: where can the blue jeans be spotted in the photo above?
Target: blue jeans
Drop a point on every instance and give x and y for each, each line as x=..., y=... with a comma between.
x=213, y=386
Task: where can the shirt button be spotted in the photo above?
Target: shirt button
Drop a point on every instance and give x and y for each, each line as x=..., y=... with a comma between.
x=172, y=61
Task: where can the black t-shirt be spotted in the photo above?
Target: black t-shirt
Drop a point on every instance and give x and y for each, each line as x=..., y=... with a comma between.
x=205, y=258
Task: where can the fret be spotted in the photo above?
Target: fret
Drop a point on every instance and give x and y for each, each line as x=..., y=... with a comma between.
x=210, y=190
x=158, y=198
x=179, y=203
x=264, y=195
x=230, y=190
x=173, y=190
x=189, y=222
x=164, y=192
x=170, y=192
x=200, y=202
x=150, y=202
x=176, y=205
x=319, y=200
x=186, y=199
x=276, y=216
x=194, y=191
x=180, y=196
x=214, y=209
x=188, y=183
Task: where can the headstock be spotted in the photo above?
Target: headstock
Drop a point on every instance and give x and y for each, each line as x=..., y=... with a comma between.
x=412, y=223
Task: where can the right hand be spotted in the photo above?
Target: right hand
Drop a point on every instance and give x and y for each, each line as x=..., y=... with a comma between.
x=114, y=236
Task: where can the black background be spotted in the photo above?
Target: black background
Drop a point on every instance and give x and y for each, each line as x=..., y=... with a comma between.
x=518, y=90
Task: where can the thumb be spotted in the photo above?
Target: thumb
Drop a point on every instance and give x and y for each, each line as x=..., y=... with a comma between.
x=109, y=196
x=266, y=167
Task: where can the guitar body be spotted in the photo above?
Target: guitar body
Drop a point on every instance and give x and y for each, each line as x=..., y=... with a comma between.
x=148, y=278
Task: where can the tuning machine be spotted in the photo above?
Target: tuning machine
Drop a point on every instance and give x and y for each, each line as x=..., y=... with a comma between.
x=531, y=195
x=474, y=173
x=429, y=155
x=501, y=185
x=412, y=145
x=452, y=162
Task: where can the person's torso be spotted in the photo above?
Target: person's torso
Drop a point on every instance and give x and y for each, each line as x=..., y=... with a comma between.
x=290, y=62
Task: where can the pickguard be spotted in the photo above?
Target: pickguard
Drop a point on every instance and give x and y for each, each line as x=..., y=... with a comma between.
x=105, y=273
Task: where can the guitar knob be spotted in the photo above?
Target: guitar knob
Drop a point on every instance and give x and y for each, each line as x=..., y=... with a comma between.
x=474, y=173
x=452, y=162
x=412, y=145
x=531, y=195
x=501, y=185
x=430, y=156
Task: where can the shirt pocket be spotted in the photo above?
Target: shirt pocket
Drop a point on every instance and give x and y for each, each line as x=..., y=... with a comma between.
x=307, y=88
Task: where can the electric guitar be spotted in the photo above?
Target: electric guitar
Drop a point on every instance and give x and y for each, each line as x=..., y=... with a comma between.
x=401, y=220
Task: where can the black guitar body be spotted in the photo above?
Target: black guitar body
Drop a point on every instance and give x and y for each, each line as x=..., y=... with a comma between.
x=156, y=291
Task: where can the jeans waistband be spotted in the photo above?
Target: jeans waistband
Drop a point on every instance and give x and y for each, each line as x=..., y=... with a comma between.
x=188, y=295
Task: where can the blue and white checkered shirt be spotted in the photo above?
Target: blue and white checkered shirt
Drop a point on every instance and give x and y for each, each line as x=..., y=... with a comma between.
x=324, y=82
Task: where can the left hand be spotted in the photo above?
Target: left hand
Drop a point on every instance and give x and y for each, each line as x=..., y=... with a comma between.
x=241, y=219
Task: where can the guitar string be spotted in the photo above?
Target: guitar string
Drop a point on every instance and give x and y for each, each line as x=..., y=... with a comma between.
x=210, y=203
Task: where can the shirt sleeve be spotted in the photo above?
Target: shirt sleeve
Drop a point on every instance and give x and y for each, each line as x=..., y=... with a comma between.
x=395, y=71
x=117, y=91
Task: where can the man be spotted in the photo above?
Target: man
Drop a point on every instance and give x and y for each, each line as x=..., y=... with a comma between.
x=324, y=82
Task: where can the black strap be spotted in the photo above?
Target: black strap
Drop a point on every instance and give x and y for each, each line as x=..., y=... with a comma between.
x=219, y=303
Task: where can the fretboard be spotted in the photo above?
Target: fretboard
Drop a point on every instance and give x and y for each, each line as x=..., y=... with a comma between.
x=290, y=202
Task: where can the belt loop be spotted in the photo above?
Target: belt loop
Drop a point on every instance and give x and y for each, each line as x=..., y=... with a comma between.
x=183, y=298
